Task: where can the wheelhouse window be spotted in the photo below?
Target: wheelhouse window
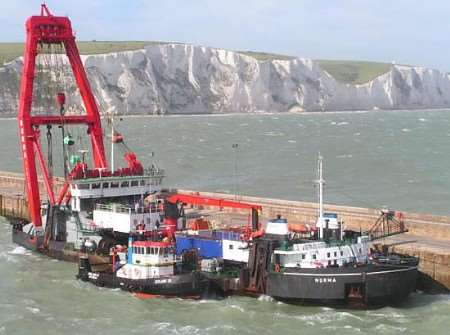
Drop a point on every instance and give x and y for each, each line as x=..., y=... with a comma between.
x=105, y=185
x=124, y=184
x=134, y=183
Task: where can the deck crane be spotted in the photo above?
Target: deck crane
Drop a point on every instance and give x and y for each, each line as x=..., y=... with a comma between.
x=173, y=200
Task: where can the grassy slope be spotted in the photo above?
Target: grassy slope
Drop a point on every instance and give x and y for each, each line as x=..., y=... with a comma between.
x=353, y=72
x=264, y=56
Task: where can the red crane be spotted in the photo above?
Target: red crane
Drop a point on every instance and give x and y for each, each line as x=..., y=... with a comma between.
x=207, y=201
x=48, y=29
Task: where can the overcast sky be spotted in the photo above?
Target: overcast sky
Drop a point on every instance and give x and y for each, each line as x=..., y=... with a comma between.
x=415, y=32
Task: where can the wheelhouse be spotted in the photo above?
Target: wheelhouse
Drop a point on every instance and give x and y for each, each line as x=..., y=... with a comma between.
x=152, y=253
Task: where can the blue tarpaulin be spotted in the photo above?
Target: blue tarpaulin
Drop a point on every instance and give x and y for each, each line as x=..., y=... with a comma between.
x=207, y=248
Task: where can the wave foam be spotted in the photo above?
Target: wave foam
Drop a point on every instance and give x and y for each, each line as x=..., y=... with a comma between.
x=20, y=251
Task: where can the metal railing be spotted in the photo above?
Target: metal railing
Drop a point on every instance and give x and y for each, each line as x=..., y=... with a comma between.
x=119, y=208
x=116, y=208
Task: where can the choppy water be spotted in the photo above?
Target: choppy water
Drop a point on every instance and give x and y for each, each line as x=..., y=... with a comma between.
x=42, y=296
x=398, y=159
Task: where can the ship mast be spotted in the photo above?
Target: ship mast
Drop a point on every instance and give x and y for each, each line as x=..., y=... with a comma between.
x=112, y=142
x=321, y=223
x=320, y=182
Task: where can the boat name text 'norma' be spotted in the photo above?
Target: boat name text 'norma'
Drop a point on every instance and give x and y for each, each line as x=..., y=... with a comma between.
x=324, y=280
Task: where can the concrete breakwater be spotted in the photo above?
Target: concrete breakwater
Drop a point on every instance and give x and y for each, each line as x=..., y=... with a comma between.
x=428, y=237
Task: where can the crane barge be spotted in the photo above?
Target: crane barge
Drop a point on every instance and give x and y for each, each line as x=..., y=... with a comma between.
x=96, y=205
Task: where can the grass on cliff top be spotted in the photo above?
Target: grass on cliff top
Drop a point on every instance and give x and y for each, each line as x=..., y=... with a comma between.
x=346, y=71
x=264, y=56
x=9, y=51
x=352, y=72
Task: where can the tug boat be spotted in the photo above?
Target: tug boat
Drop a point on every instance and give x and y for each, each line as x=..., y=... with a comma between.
x=335, y=270
x=149, y=267
x=329, y=264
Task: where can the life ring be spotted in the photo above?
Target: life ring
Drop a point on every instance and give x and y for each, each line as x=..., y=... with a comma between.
x=277, y=268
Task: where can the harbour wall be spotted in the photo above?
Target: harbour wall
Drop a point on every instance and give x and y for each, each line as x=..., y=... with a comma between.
x=355, y=218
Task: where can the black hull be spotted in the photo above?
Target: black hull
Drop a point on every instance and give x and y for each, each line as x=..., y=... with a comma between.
x=27, y=241
x=55, y=249
x=181, y=285
x=370, y=285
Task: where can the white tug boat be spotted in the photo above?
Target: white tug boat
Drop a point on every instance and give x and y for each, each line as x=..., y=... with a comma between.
x=329, y=264
x=149, y=265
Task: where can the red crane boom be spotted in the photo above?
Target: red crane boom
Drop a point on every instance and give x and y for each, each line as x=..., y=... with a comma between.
x=48, y=29
x=215, y=202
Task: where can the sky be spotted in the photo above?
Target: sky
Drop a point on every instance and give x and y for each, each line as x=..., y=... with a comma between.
x=409, y=32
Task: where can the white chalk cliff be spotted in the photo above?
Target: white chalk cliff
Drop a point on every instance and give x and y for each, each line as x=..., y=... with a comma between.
x=178, y=79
